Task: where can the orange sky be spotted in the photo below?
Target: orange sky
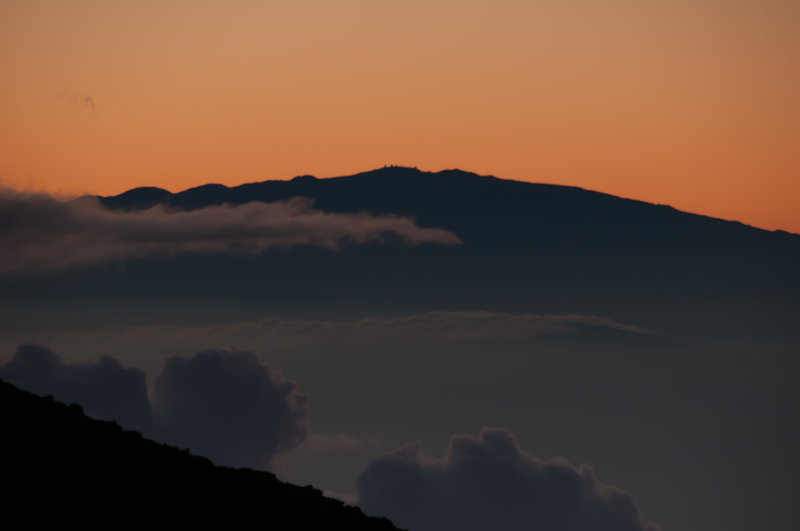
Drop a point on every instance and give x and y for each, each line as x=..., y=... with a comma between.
x=689, y=103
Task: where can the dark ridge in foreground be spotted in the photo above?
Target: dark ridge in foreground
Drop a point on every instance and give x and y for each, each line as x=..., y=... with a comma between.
x=63, y=470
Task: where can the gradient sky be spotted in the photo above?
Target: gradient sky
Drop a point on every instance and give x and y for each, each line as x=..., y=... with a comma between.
x=689, y=103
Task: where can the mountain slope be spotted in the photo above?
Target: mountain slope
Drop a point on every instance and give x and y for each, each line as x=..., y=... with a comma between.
x=545, y=243
x=527, y=248
x=62, y=470
x=489, y=212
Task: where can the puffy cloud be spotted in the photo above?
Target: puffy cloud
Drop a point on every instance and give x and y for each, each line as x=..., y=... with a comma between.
x=224, y=405
x=105, y=389
x=40, y=232
x=488, y=482
x=227, y=406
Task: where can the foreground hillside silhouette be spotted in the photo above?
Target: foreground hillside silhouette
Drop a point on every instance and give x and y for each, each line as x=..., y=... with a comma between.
x=63, y=470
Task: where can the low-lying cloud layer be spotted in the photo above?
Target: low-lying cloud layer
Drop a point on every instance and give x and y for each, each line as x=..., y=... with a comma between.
x=224, y=405
x=39, y=232
x=488, y=482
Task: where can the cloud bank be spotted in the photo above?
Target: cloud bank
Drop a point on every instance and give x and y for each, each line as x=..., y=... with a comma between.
x=488, y=482
x=224, y=405
x=39, y=232
x=105, y=389
x=228, y=406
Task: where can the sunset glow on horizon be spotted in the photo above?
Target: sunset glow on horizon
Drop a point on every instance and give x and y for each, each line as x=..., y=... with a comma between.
x=692, y=104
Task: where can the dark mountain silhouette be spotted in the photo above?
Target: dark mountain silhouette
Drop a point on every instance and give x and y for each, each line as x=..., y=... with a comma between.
x=445, y=198
x=144, y=197
x=63, y=470
x=527, y=247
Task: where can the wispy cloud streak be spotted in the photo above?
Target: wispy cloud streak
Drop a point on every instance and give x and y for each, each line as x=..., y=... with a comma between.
x=86, y=100
x=39, y=232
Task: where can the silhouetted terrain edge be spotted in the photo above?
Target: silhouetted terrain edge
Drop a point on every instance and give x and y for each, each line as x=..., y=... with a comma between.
x=63, y=470
x=525, y=248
